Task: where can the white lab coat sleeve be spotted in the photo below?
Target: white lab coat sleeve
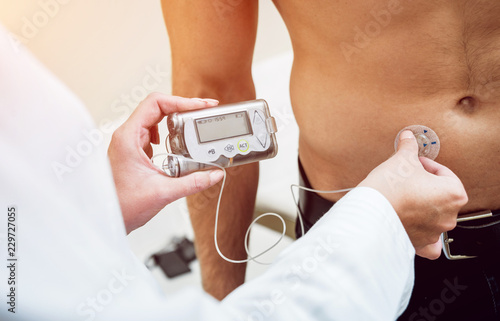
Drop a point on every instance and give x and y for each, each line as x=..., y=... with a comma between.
x=74, y=262
x=356, y=263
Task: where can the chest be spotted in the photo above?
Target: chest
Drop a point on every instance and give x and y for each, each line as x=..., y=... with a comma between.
x=433, y=46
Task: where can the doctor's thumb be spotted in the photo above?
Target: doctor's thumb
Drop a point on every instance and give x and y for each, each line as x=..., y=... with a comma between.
x=408, y=143
x=193, y=183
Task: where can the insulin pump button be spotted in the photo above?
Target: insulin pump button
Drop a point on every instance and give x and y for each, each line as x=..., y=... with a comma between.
x=257, y=119
x=427, y=139
x=229, y=148
x=243, y=145
x=258, y=123
x=262, y=138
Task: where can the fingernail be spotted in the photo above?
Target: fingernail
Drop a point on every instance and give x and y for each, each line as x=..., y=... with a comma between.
x=216, y=175
x=210, y=102
x=407, y=134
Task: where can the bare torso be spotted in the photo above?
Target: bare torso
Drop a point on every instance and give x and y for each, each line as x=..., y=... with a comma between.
x=363, y=70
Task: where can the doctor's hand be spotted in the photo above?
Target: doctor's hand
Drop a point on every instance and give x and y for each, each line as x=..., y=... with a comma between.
x=143, y=190
x=426, y=196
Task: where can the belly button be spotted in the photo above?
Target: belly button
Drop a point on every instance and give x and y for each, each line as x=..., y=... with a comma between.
x=468, y=104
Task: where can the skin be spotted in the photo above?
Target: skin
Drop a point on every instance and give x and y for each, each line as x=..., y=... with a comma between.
x=434, y=63
x=406, y=174
x=144, y=190
x=203, y=67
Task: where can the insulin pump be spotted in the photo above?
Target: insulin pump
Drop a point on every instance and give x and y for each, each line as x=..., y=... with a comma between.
x=227, y=136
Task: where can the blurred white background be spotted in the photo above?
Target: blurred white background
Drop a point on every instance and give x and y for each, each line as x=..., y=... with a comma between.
x=103, y=49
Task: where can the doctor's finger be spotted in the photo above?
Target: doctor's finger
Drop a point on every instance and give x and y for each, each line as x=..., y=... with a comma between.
x=156, y=105
x=408, y=142
x=431, y=251
x=436, y=168
x=408, y=149
x=193, y=183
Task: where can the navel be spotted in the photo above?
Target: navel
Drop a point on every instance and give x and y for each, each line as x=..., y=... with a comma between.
x=468, y=104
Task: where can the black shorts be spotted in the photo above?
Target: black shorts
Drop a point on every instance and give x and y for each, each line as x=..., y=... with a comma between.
x=311, y=206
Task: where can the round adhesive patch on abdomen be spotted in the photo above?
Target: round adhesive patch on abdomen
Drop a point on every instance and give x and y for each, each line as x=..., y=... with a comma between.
x=427, y=139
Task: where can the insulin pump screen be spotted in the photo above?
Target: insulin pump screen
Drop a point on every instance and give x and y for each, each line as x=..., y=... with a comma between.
x=222, y=126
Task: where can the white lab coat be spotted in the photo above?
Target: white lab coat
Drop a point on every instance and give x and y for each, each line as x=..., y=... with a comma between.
x=74, y=262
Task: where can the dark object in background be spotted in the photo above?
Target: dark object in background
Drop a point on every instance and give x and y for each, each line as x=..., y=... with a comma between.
x=176, y=261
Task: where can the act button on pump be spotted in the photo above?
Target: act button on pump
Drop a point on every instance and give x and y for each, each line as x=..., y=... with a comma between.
x=243, y=145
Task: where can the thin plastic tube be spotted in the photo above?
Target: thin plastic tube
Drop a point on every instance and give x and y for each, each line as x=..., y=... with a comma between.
x=247, y=234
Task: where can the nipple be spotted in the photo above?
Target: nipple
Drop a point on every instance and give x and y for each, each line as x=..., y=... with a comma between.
x=428, y=141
